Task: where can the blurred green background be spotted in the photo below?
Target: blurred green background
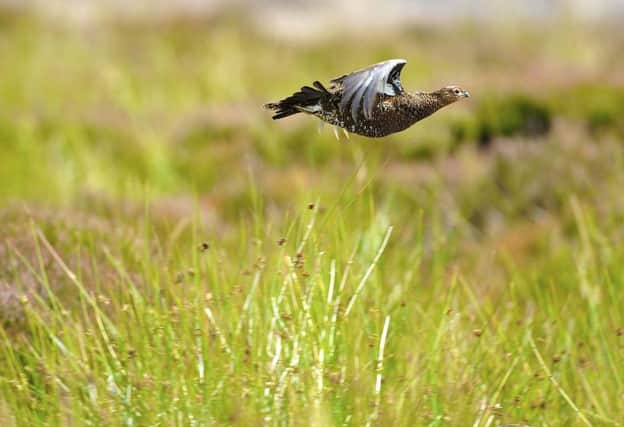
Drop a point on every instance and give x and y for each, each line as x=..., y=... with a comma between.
x=174, y=102
x=128, y=137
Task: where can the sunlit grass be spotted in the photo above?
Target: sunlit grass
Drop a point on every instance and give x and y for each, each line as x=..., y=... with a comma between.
x=285, y=330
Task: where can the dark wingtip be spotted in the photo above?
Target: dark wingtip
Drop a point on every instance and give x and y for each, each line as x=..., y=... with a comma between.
x=280, y=111
x=282, y=114
x=320, y=86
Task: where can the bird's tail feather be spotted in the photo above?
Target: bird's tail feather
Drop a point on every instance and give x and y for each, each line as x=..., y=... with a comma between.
x=306, y=100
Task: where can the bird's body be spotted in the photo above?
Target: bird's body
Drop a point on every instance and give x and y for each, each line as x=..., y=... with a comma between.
x=390, y=114
x=369, y=102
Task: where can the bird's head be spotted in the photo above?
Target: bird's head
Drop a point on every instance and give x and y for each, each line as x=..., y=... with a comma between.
x=450, y=94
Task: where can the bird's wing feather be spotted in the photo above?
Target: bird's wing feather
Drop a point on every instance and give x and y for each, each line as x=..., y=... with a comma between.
x=361, y=88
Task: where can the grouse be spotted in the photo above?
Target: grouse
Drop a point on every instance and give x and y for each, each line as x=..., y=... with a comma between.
x=369, y=102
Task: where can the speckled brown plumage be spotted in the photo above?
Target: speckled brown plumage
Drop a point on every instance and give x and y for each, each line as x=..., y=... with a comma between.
x=369, y=102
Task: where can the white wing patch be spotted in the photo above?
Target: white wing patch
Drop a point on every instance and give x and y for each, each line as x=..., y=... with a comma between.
x=389, y=90
x=361, y=88
x=310, y=108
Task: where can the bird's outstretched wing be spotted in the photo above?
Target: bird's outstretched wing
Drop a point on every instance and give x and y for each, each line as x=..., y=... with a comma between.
x=361, y=88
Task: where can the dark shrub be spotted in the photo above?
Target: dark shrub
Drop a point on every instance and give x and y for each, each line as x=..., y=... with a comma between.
x=510, y=116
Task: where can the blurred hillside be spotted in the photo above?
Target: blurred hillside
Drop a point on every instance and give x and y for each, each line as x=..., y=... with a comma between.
x=172, y=101
x=300, y=19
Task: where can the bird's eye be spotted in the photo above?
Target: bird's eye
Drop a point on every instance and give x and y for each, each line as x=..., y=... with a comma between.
x=456, y=91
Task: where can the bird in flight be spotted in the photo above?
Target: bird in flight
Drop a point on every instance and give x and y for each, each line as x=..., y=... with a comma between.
x=369, y=102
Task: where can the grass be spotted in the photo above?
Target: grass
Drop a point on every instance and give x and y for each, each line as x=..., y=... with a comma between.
x=346, y=321
x=169, y=257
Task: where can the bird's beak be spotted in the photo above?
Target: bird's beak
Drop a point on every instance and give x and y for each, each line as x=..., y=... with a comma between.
x=466, y=94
